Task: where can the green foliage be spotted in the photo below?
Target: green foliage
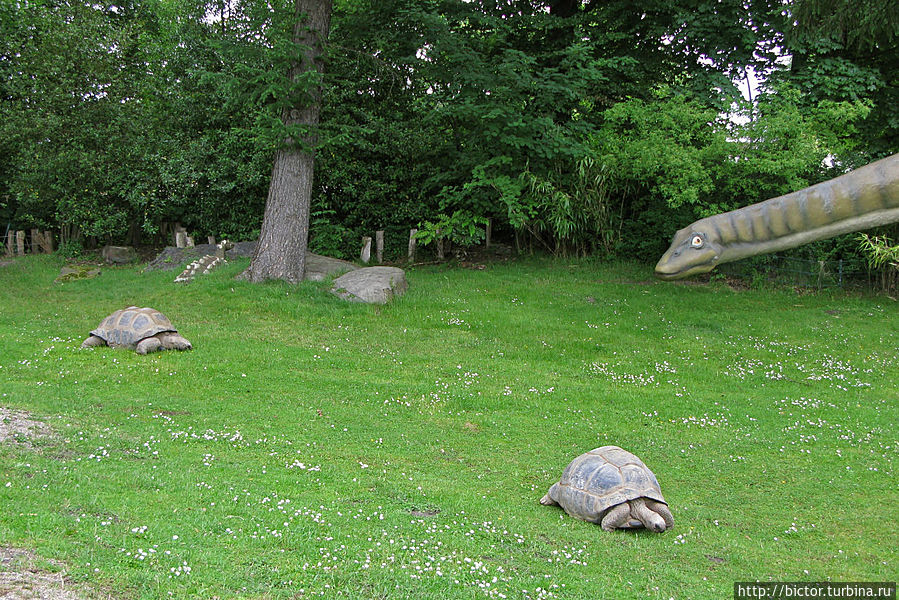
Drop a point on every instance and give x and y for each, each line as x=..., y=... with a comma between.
x=575, y=211
x=329, y=237
x=260, y=75
x=61, y=118
x=863, y=24
x=580, y=126
x=685, y=162
x=780, y=148
x=146, y=140
x=883, y=256
x=665, y=146
x=662, y=156
x=775, y=150
x=844, y=52
x=462, y=228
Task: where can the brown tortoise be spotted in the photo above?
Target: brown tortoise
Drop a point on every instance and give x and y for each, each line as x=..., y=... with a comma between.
x=612, y=487
x=140, y=329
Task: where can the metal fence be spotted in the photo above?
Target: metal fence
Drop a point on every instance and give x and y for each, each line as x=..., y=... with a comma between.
x=798, y=272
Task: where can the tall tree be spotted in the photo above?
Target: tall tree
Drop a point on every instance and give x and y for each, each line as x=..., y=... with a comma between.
x=845, y=52
x=281, y=252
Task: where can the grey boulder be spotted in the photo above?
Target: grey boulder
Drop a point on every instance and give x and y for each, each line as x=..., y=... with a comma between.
x=118, y=255
x=320, y=267
x=373, y=285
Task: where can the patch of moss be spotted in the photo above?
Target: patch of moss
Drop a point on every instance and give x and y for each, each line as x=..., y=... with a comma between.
x=75, y=272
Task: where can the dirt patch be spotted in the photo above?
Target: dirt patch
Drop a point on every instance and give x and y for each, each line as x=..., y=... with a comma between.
x=173, y=413
x=22, y=579
x=23, y=575
x=17, y=427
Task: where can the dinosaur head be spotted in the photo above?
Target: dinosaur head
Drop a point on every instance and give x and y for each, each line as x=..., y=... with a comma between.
x=692, y=251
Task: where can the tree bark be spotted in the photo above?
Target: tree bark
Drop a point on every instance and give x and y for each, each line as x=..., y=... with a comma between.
x=281, y=251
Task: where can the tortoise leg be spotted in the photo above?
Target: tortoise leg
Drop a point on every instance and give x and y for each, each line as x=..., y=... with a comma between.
x=93, y=341
x=651, y=520
x=150, y=344
x=548, y=499
x=663, y=510
x=619, y=515
x=173, y=341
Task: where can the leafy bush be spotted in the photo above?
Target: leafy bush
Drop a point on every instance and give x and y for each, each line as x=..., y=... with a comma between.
x=329, y=237
x=883, y=256
x=462, y=228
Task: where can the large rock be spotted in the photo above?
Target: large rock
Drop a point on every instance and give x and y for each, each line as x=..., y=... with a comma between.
x=317, y=267
x=320, y=267
x=175, y=258
x=374, y=285
x=118, y=255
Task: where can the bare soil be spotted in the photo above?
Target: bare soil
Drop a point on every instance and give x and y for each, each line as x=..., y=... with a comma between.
x=17, y=427
x=21, y=579
x=23, y=575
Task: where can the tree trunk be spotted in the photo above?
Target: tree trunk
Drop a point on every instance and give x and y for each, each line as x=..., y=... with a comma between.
x=281, y=252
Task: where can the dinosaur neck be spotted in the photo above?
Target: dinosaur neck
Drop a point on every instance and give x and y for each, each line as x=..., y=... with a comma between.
x=737, y=249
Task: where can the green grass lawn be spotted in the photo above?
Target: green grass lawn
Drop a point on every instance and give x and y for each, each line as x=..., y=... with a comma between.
x=309, y=447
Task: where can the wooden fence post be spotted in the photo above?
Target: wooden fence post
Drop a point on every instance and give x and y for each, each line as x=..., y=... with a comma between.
x=180, y=236
x=11, y=243
x=45, y=241
x=412, y=242
x=20, y=243
x=489, y=231
x=440, y=240
x=366, y=249
x=379, y=246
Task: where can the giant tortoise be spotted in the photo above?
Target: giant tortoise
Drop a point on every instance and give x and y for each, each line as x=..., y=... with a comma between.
x=140, y=329
x=612, y=487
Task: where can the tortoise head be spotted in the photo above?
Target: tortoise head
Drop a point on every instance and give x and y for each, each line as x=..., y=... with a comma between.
x=651, y=520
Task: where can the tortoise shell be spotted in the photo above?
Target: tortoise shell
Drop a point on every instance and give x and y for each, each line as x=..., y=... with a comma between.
x=599, y=479
x=125, y=328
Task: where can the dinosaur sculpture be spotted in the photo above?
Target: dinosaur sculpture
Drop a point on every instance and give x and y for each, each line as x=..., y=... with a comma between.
x=861, y=199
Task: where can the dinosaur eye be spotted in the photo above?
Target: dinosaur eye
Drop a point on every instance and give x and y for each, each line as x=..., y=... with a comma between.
x=696, y=242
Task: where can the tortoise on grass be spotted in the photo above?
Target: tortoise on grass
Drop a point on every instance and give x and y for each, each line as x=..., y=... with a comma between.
x=612, y=487
x=140, y=329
